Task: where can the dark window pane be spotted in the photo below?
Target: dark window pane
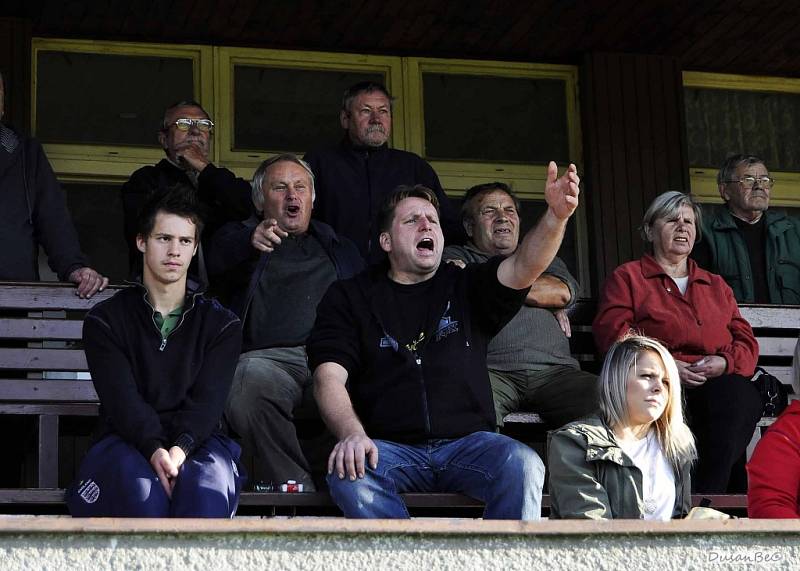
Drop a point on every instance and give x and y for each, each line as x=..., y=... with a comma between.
x=495, y=118
x=722, y=122
x=289, y=109
x=96, y=210
x=107, y=99
x=529, y=214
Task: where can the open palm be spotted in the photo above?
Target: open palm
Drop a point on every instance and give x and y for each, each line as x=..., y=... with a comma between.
x=561, y=193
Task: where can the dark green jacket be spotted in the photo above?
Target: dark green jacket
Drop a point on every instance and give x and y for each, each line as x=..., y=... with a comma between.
x=729, y=257
x=592, y=478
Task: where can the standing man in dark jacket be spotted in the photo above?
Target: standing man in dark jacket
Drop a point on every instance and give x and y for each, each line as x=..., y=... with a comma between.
x=353, y=178
x=33, y=212
x=276, y=271
x=399, y=354
x=161, y=357
x=185, y=136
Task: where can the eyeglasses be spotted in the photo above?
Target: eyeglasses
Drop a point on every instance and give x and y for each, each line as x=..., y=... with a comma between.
x=203, y=125
x=750, y=181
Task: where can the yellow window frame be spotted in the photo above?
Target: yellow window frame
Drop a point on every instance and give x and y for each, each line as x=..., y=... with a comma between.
x=115, y=163
x=527, y=181
x=703, y=179
x=226, y=58
x=213, y=82
x=463, y=174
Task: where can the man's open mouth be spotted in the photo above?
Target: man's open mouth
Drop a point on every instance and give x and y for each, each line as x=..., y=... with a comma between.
x=425, y=244
x=293, y=209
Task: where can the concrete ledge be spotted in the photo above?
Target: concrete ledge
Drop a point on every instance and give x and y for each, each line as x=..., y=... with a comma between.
x=55, y=542
x=431, y=526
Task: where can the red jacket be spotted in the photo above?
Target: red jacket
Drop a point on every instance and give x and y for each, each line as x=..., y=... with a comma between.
x=640, y=295
x=774, y=470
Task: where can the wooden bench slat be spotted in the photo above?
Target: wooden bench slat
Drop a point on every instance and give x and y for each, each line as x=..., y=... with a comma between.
x=32, y=296
x=25, y=359
x=771, y=316
x=31, y=496
x=783, y=374
x=40, y=329
x=776, y=346
x=46, y=390
x=61, y=408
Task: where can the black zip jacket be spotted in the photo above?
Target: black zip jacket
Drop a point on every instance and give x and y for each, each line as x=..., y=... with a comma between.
x=154, y=392
x=33, y=211
x=351, y=183
x=442, y=390
x=235, y=266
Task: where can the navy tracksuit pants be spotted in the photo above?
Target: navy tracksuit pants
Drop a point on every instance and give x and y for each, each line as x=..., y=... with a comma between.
x=115, y=480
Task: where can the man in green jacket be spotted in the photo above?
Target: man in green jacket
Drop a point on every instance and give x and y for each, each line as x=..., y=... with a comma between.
x=756, y=250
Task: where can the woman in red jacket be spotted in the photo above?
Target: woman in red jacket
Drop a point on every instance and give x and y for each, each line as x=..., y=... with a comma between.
x=774, y=470
x=693, y=312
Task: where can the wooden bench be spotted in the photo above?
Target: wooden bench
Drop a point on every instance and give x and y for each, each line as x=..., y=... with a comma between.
x=776, y=328
x=44, y=375
x=43, y=368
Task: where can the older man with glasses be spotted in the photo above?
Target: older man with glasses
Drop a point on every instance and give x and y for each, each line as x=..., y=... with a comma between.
x=185, y=136
x=754, y=248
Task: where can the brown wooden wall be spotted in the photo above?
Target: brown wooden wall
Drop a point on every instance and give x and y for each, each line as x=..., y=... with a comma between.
x=15, y=64
x=634, y=147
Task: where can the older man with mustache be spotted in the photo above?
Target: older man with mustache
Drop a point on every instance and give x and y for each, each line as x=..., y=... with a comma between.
x=353, y=178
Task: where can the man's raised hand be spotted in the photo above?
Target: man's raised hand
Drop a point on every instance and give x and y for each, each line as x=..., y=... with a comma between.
x=561, y=193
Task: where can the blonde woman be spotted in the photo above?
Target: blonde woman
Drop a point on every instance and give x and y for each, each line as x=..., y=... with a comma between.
x=632, y=459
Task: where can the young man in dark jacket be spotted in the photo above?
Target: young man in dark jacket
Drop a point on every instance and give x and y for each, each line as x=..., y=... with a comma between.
x=399, y=353
x=162, y=358
x=272, y=273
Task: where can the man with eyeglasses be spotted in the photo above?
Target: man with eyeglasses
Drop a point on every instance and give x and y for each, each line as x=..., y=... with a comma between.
x=185, y=136
x=755, y=249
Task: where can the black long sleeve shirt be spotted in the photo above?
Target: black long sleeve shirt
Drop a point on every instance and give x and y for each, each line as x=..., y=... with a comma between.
x=155, y=392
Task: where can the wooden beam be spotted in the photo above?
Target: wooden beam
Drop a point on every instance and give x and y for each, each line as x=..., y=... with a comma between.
x=43, y=359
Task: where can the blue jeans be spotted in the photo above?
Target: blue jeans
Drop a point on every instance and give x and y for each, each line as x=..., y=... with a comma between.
x=115, y=480
x=505, y=474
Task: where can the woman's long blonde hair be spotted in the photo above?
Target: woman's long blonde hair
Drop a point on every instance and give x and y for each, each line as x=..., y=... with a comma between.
x=673, y=435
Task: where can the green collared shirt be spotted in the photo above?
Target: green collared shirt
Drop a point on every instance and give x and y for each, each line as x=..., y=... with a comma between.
x=168, y=323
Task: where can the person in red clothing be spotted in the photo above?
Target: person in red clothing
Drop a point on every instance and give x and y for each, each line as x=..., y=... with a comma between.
x=693, y=312
x=773, y=490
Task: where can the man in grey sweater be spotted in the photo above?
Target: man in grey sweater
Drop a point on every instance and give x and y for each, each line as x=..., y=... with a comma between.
x=529, y=361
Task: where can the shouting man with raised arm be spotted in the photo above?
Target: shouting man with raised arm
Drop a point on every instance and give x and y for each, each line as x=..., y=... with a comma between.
x=399, y=355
